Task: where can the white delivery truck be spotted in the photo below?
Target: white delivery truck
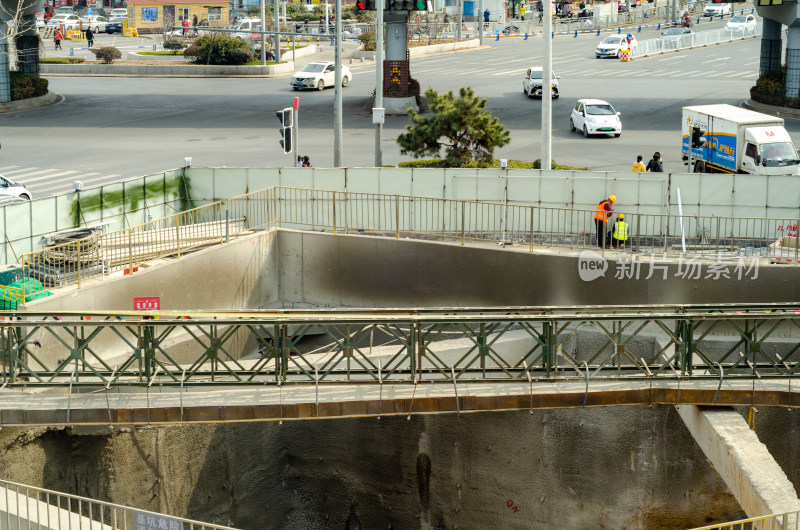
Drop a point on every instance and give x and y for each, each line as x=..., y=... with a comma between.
x=729, y=139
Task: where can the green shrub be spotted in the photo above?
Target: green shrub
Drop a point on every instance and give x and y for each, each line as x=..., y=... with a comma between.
x=21, y=86
x=61, y=60
x=39, y=86
x=174, y=45
x=219, y=50
x=107, y=54
x=495, y=163
x=415, y=90
x=191, y=52
x=368, y=42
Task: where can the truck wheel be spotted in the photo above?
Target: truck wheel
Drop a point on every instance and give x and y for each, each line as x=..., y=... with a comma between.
x=699, y=167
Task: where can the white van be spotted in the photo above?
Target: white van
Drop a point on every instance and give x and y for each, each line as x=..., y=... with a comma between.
x=245, y=27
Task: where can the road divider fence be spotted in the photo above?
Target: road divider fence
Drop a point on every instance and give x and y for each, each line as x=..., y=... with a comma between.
x=692, y=40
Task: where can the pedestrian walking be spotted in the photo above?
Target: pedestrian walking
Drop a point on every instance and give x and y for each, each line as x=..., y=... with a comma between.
x=522, y=11
x=601, y=216
x=89, y=37
x=486, y=15
x=58, y=37
x=655, y=165
x=185, y=25
x=194, y=20
x=638, y=166
x=619, y=235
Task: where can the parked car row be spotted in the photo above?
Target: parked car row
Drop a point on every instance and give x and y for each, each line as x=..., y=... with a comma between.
x=98, y=23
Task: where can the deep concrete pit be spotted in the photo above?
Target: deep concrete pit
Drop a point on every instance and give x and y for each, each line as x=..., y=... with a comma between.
x=622, y=467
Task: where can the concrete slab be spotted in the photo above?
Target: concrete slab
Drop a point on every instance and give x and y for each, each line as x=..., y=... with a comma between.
x=743, y=462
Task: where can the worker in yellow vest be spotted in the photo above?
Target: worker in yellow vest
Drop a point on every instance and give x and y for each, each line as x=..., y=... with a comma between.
x=619, y=236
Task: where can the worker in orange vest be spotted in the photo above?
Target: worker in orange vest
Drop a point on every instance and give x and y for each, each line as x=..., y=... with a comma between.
x=601, y=216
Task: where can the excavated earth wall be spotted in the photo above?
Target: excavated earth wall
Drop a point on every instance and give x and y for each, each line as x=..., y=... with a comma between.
x=621, y=467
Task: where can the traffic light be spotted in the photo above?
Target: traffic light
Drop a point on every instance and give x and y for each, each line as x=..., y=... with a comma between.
x=286, y=116
x=420, y=5
x=697, y=137
x=366, y=5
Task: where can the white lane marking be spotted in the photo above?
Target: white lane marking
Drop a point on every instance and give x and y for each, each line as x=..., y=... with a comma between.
x=62, y=185
x=26, y=175
x=670, y=59
x=743, y=75
x=714, y=60
x=53, y=175
x=515, y=71
x=7, y=168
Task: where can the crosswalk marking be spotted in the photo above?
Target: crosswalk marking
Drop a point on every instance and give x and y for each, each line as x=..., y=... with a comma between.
x=52, y=175
x=62, y=185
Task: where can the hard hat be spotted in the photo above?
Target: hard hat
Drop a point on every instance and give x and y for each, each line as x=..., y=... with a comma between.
x=612, y=198
x=621, y=216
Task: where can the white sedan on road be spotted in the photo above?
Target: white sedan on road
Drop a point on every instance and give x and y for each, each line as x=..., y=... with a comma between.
x=611, y=45
x=595, y=116
x=67, y=21
x=319, y=75
x=715, y=9
x=9, y=188
x=743, y=22
x=97, y=23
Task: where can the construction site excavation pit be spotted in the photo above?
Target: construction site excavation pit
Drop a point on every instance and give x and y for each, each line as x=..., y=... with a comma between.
x=624, y=466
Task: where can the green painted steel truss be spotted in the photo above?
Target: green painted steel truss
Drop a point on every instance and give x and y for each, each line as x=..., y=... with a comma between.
x=510, y=344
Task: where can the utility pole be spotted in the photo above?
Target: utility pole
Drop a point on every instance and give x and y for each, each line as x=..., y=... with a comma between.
x=275, y=11
x=263, y=36
x=378, y=120
x=547, y=85
x=460, y=19
x=337, y=93
x=480, y=22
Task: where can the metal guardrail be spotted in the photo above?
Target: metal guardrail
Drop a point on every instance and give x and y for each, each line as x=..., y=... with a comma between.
x=778, y=521
x=95, y=256
x=32, y=507
x=693, y=40
x=531, y=227
x=399, y=346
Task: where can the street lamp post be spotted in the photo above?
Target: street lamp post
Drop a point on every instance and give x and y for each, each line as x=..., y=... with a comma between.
x=378, y=83
x=337, y=95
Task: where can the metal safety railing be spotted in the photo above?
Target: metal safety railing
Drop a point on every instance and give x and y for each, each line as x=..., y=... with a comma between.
x=24, y=506
x=95, y=256
x=693, y=40
x=729, y=342
x=778, y=521
x=521, y=226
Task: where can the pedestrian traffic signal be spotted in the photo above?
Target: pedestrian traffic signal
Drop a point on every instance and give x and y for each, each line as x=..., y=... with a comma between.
x=697, y=137
x=367, y=5
x=286, y=117
x=286, y=140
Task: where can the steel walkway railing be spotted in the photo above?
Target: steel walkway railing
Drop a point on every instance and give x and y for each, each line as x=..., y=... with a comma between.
x=778, y=521
x=24, y=506
x=132, y=349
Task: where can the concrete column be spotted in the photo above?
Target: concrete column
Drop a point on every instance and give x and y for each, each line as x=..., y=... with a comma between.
x=27, y=41
x=5, y=81
x=770, y=46
x=396, y=36
x=793, y=61
x=742, y=461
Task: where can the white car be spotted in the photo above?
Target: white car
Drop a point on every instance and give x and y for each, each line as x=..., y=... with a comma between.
x=319, y=75
x=611, y=45
x=595, y=116
x=119, y=12
x=9, y=188
x=532, y=82
x=68, y=21
x=715, y=9
x=97, y=23
x=742, y=22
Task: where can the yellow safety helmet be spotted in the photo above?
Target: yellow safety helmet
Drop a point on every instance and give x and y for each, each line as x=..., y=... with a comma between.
x=621, y=216
x=612, y=198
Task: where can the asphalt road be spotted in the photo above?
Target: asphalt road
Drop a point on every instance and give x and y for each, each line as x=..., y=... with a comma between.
x=108, y=128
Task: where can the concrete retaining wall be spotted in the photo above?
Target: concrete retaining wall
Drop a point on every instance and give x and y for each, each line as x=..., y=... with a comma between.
x=362, y=271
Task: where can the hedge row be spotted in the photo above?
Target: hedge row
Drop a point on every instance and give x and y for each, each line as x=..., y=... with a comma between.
x=26, y=87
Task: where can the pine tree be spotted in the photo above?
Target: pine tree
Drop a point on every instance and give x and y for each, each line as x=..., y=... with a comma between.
x=461, y=125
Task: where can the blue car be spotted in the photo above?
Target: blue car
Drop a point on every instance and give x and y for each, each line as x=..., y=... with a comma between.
x=114, y=25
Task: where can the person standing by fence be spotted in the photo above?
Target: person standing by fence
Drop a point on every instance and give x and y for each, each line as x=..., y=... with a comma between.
x=601, y=216
x=58, y=37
